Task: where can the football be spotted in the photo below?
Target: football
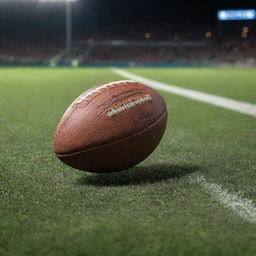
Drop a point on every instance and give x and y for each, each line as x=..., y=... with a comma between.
x=111, y=127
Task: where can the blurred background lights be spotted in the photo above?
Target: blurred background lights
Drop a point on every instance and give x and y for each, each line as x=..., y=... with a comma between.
x=56, y=0
x=244, y=35
x=208, y=34
x=223, y=15
x=148, y=35
x=245, y=29
x=241, y=14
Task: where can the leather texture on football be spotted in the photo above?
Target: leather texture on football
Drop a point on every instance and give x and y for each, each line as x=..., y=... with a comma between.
x=111, y=127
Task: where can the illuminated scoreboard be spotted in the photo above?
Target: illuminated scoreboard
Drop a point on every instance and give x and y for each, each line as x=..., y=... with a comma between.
x=225, y=15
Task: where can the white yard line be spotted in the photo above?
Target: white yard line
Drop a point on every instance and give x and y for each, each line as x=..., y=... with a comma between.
x=238, y=106
x=241, y=206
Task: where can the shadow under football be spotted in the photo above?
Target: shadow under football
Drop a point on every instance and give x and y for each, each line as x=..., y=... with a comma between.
x=138, y=175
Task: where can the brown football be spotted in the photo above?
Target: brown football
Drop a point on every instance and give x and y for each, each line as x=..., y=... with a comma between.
x=111, y=127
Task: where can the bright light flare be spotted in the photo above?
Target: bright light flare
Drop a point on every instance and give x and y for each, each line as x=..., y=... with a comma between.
x=56, y=0
x=48, y=1
x=249, y=14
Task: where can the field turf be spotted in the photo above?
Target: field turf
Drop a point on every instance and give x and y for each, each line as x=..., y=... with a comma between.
x=47, y=208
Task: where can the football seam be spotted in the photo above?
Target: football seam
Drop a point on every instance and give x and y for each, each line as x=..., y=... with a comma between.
x=112, y=142
x=84, y=96
x=101, y=88
x=129, y=104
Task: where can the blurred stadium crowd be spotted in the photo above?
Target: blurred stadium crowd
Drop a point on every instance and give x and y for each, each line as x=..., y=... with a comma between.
x=173, y=45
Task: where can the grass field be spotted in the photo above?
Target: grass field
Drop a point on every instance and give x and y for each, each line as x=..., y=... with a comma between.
x=47, y=208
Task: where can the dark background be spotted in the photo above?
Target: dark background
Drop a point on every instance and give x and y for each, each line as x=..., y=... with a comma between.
x=22, y=16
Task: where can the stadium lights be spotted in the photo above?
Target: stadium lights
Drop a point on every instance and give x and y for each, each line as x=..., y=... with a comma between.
x=68, y=20
x=147, y=35
x=249, y=14
x=57, y=0
x=208, y=34
x=245, y=29
x=38, y=0
x=68, y=16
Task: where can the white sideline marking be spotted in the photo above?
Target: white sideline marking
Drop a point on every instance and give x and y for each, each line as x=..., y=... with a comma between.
x=238, y=106
x=241, y=206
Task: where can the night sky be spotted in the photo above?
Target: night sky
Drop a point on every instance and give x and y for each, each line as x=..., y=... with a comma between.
x=88, y=14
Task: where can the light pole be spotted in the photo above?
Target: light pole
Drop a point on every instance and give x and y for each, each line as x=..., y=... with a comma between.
x=68, y=20
x=68, y=26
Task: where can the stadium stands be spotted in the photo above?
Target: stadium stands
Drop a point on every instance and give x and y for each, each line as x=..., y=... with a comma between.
x=175, y=45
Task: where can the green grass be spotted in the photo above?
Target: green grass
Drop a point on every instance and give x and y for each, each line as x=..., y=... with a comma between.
x=236, y=83
x=47, y=208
